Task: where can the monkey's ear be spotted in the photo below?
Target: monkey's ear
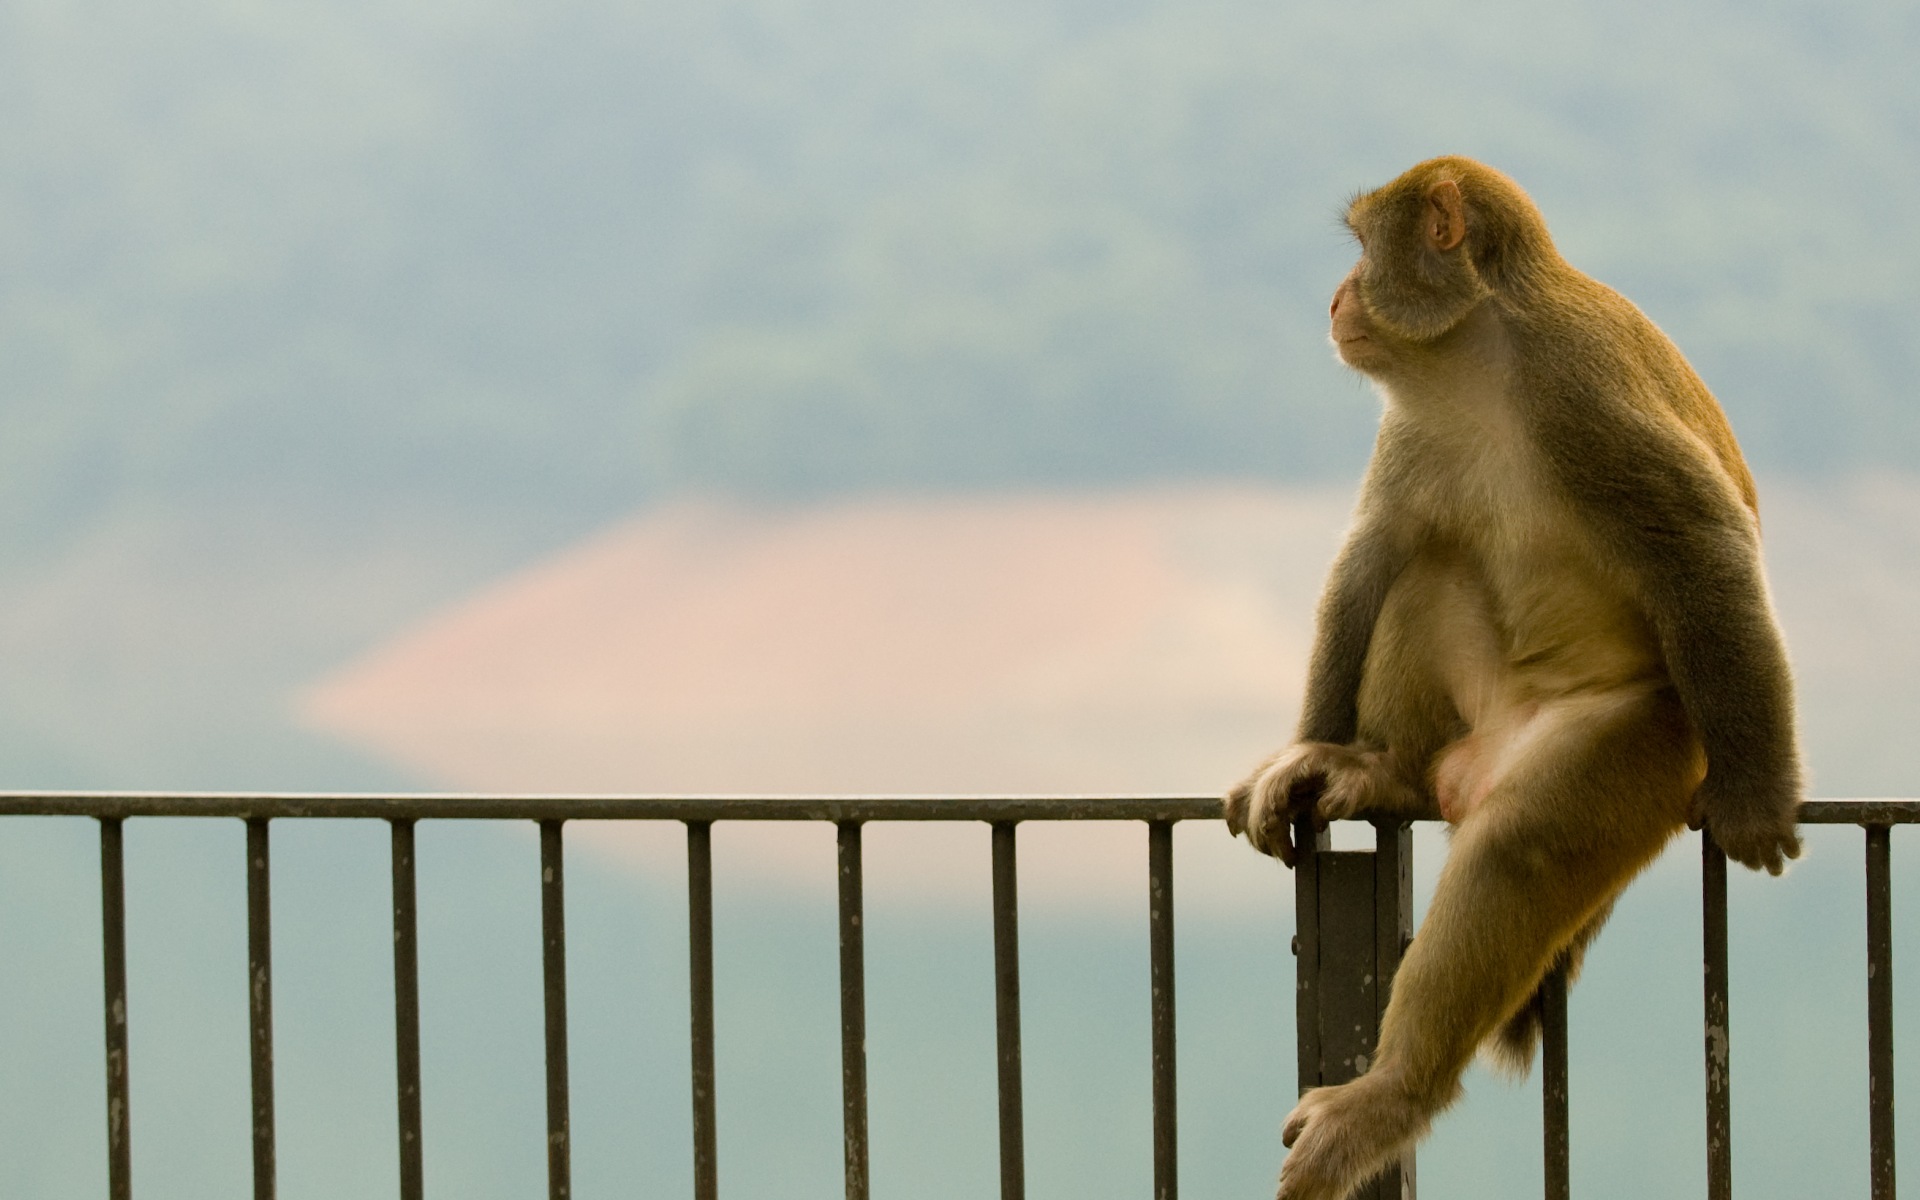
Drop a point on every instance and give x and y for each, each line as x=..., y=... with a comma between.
x=1445, y=218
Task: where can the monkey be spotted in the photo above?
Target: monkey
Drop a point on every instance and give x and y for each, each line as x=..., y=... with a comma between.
x=1548, y=625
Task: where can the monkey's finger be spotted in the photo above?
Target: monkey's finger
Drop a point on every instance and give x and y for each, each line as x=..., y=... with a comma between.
x=1264, y=831
x=1234, y=808
x=1303, y=791
x=1780, y=853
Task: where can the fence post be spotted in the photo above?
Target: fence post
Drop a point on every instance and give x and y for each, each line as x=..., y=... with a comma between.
x=1353, y=914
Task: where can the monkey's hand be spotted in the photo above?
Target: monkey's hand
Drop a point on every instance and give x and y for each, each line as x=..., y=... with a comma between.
x=1319, y=779
x=1754, y=829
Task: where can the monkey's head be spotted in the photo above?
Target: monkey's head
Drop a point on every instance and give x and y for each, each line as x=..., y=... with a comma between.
x=1434, y=245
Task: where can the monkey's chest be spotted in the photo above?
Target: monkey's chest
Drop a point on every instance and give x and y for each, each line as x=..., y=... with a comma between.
x=1562, y=622
x=1548, y=616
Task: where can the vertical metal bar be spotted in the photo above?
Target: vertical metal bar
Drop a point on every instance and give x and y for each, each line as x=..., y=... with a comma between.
x=1308, y=843
x=260, y=1004
x=1166, y=1121
x=853, y=1013
x=406, y=1009
x=1006, y=997
x=1713, y=886
x=1879, y=1013
x=1392, y=931
x=553, y=935
x=706, y=1178
x=113, y=942
x=1350, y=981
x=1553, y=1084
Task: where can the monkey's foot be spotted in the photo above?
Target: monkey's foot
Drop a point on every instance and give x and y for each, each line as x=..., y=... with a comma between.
x=1345, y=1135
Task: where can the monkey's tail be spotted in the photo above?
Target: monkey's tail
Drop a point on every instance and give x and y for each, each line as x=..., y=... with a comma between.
x=1510, y=1049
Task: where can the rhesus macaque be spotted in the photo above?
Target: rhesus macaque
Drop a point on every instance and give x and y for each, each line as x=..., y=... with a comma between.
x=1548, y=626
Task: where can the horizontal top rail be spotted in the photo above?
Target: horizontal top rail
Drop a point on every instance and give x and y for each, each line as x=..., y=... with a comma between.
x=532, y=807
x=613, y=807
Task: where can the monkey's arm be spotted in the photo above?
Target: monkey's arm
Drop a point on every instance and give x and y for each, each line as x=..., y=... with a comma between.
x=1727, y=661
x=1349, y=609
x=1695, y=552
x=1264, y=804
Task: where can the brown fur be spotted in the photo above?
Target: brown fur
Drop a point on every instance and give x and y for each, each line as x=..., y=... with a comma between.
x=1549, y=625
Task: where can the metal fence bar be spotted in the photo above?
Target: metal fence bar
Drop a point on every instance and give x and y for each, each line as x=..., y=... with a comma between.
x=1166, y=1121
x=553, y=957
x=1392, y=934
x=611, y=807
x=1713, y=887
x=260, y=1004
x=706, y=1176
x=1880, y=1013
x=406, y=1011
x=849, y=812
x=1553, y=1085
x=853, y=1014
x=1006, y=1005
x=113, y=944
x=517, y=807
x=1308, y=842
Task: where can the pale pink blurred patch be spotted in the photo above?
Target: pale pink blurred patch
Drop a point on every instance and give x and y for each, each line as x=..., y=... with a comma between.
x=1141, y=642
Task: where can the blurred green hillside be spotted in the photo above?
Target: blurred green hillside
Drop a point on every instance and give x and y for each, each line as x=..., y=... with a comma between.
x=574, y=256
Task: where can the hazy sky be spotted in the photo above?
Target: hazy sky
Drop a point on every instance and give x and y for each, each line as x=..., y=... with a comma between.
x=572, y=257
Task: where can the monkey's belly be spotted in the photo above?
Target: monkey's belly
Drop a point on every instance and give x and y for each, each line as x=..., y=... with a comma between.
x=1470, y=688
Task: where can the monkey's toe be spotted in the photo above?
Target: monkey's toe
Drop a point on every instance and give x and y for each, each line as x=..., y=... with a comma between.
x=1290, y=1131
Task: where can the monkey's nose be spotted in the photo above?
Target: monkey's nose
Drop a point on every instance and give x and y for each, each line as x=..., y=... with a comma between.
x=1333, y=310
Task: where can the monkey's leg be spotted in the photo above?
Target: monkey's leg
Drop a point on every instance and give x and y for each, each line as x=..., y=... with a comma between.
x=1573, y=803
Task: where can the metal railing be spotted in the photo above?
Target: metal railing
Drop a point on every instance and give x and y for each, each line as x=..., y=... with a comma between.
x=1332, y=936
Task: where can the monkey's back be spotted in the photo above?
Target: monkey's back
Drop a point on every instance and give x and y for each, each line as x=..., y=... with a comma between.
x=1635, y=383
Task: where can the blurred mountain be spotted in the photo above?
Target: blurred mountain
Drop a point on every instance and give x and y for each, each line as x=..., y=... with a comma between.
x=576, y=258
x=1145, y=640
x=1105, y=642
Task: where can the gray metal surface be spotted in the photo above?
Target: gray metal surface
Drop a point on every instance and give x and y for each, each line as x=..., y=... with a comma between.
x=853, y=1013
x=553, y=961
x=1166, y=1118
x=1556, y=1154
x=260, y=1003
x=1353, y=923
x=706, y=1173
x=406, y=1011
x=1350, y=916
x=1719, y=1052
x=1006, y=1008
x=560, y=806
x=113, y=942
x=1880, y=1013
